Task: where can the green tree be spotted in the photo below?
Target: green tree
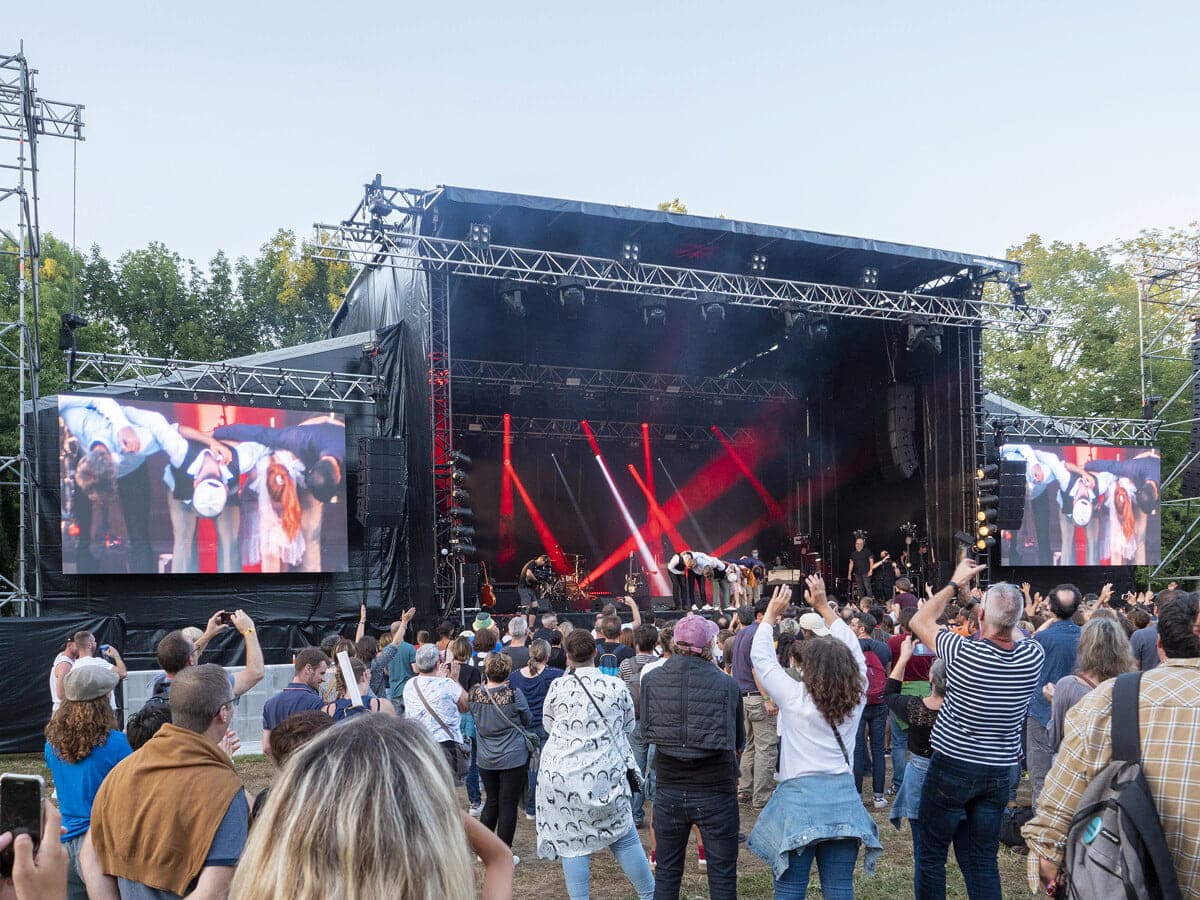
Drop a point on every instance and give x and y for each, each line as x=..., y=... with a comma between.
x=673, y=206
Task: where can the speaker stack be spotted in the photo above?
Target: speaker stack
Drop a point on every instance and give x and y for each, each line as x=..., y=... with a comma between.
x=897, y=440
x=382, y=481
x=1010, y=511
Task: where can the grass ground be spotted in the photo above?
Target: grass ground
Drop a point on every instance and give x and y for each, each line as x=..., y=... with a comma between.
x=543, y=879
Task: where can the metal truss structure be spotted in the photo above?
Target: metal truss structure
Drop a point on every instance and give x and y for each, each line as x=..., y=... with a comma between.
x=25, y=117
x=1171, y=284
x=396, y=247
x=447, y=583
x=221, y=380
x=610, y=381
x=1056, y=429
x=569, y=430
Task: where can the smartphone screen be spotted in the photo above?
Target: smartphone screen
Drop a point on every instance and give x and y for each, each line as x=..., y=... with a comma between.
x=20, y=812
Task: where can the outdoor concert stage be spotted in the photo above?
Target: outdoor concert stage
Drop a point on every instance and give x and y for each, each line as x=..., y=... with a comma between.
x=742, y=385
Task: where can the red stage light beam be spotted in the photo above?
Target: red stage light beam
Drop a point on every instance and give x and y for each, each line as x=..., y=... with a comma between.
x=635, y=533
x=508, y=541
x=557, y=558
x=657, y=514
x=651, y=523
x=771, y=503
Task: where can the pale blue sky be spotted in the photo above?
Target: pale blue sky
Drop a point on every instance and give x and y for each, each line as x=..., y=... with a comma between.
x=960, y=125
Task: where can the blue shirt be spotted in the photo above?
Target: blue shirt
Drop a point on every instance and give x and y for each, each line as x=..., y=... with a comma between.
x=292, y=699
x=743, y=670
x=535, y=690
x=400, y=669
x=1060, y=641
x=78, y=782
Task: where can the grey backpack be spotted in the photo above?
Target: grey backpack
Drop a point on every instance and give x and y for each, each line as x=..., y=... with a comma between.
x=1115, y=847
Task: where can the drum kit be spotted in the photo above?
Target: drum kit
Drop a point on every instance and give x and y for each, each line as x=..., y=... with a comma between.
x=564, y=591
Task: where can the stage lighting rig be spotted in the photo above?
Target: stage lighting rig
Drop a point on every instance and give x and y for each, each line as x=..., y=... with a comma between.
x=921, y=335
x=818, y=330
x=654, y=311
x=974, y=288
x=861, y=533
x=1018, y=290
x=712, y=308
x=513, y=295
x=479, y=236
x=909, y=530
x=758, y=263
x=631, y=253
x=572, y=296
x=868, y=278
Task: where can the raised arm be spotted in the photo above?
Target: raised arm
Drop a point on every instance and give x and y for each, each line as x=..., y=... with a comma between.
x=770, y=674
x=253, y=673
x=633, y=609
x=925, y=623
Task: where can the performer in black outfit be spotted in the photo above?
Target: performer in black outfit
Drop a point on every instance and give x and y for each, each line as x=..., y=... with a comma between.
x=862, y=562
x=534, y=574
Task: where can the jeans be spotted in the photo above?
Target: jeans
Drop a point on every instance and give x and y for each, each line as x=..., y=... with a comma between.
x=676, y=809
x=531, y=794
x=637, y=742
x=899, y=751
x=504, y=787
x=75, y=887
x=630, y=856
x=872, y=725
x=835, y=865
x=761, y=752
x=962, y=804
x=473, y=792
x=1038, y=756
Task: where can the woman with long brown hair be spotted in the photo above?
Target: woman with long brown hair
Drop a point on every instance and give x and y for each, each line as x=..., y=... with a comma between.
x=82, y=746
x=816, y=812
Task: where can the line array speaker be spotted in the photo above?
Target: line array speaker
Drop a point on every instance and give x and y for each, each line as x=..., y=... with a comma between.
x=382, y=481
x=897, y=440
x=1010, y=512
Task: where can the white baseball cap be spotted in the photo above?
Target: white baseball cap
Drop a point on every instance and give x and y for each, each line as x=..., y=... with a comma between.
x=1081, y=511
x=209, y=497
x=813, y=622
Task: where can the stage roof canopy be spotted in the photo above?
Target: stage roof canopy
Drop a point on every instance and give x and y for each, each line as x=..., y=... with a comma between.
x=723, y=245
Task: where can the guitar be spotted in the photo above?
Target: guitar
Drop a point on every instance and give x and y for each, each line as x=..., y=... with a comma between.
x=487, y=596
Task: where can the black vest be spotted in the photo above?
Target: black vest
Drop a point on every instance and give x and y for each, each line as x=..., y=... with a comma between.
x=689, y=708
x=185, y=484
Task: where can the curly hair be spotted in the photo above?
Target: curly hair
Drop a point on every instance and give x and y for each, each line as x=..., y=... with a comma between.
x=80, y=726
x=831, y=676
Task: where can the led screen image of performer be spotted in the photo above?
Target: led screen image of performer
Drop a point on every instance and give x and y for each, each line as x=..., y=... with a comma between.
x=1086, y=505
x=156, y=487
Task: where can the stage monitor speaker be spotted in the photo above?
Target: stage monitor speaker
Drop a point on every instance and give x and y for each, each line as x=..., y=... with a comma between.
x=470, y=584
x=508, y=601
x=1011, y=490
x=382, y=481
x=897, y=440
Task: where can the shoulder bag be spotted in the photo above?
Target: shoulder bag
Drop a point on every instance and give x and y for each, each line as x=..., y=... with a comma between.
x=533, y=741
x=632, y=775
x=462, y=755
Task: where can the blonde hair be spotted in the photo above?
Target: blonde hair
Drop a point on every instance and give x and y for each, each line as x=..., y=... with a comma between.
x=365, y=810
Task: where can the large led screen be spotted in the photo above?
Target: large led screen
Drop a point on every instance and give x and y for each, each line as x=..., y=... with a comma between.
x=1086, y=506
x=150, y=487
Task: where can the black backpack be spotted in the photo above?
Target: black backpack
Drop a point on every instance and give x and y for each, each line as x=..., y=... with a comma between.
x=1115, y=846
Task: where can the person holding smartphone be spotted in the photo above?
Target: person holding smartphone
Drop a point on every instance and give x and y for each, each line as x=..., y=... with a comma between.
x=83, y=744
x=108, y=658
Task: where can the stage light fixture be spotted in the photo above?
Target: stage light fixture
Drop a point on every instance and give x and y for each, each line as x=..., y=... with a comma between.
x=479, y=236
x=868, y=278
x=463, y=531
x=974, y=288
x=1148, y=407
x=461, y=496
x=1017, y=290
x=464, y=548
x=572, y=381
x=654, y=310
x=989, y=471
x=460, y=459
x=461, y=512
x=475, y=426
x=673, y=389
x=921, y=335
x=984, y=544
x=712, y=309
x=572, y=296
x=631, y=253
x=818, y=330
x=758, y=263
x=513, y=295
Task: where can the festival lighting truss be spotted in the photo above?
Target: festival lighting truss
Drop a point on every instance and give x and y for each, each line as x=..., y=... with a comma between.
x=25, y=117
x=223, y=380
x=389, y=246
x=613, y=381
x=1078, y=429
x=568, y=429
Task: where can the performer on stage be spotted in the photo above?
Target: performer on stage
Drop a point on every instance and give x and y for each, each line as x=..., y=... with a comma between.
x=758, y=575
x=862, y=564
x=712, y=569
x=534, y=575
x=685, y=582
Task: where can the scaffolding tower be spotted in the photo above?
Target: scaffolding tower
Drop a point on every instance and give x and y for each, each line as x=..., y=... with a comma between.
x=1169, y=330
x=25, y=117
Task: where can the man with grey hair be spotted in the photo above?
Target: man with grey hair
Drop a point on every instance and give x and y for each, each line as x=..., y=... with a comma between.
x=518, y=630
x=549, y=626
x=977, y=737
x=140, y=845
x=435, y=701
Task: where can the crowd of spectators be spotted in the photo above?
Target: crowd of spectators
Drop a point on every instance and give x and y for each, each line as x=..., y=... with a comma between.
x=783, y=707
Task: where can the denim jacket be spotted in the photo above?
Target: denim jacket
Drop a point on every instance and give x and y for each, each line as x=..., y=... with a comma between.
x=808, y=809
